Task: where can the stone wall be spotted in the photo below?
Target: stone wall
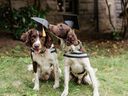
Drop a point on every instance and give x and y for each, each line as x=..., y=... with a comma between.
x=115, y=9
x=53, y=16
x=85, y=16
x=18, y=3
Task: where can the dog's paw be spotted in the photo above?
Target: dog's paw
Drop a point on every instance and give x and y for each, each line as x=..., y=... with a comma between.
x=87, y=80
x=36, y=88
x=55, y=86
x=65, y=93
x=96, y=93
x=79, y=81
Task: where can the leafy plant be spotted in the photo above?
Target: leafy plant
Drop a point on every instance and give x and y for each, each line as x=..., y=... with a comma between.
x=22, y=19
x=5, y=17
x=18, y=21
x=116, y=35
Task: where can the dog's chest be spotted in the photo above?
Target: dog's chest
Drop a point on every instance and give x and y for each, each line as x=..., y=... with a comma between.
x=76, y=66
x=44, y=60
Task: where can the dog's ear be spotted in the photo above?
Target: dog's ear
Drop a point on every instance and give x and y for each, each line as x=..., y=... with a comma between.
x=25, y=37
x=55, y=39
x=48, y=41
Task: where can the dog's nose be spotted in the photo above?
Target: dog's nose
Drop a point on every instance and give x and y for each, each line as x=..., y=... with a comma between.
x=36, y=46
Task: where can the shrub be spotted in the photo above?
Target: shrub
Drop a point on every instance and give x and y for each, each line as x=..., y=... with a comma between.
x=18, y=21
x=5, y=17
x=116, y=35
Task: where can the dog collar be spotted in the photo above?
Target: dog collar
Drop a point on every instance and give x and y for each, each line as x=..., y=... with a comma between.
x=52, y=50
x=42, y=51
x=77, y=54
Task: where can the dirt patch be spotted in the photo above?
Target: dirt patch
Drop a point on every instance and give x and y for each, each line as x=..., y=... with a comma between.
x=9, y=45
x=106, y=47
x=6, y=39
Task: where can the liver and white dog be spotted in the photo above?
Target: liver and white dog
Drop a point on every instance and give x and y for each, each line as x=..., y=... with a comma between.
x=77, y=62
x=44, y=57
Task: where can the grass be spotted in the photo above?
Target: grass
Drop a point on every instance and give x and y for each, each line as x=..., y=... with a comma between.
x=112, y=74
x=112, y=67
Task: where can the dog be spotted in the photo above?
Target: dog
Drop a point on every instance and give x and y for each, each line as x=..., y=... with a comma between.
x=76, y=62
x=44, y=57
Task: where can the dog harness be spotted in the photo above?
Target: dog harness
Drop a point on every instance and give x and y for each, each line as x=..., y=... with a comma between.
x=75, y=54
x=53, y=50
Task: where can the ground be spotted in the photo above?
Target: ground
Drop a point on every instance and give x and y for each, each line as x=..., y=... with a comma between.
x=108, y=56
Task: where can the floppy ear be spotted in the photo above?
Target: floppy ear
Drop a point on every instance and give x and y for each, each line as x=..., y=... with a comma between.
x=25, y=37
x=55, y=39
x=48, y=41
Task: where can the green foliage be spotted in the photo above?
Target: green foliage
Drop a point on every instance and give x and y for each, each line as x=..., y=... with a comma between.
x=18, y=21
x=116, y=35
x=22, y=18
x=5, y=17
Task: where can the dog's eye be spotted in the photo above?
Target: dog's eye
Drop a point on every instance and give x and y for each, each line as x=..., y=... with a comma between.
x=61, y=25
x=40, y=36
x=34, y=36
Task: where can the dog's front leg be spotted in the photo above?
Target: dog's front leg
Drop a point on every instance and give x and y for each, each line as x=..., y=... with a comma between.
x=36, y=78
x=66, y=79
x=57, y=75
x=93, y=78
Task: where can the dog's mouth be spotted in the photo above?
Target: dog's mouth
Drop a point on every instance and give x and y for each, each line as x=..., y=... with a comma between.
x=37, y=50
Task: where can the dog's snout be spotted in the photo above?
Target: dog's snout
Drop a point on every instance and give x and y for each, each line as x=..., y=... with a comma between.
x=36, y=45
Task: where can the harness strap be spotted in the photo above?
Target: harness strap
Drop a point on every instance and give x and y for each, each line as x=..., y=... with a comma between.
x=32, y=50
x=78, y=54
x=84, y=73
x=53, y=50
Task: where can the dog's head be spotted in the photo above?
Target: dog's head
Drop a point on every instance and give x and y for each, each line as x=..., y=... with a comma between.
x=61, y=30
x=64, y=32
x=36, y=40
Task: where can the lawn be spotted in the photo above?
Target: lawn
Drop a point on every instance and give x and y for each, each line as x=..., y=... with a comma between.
x=109, y=57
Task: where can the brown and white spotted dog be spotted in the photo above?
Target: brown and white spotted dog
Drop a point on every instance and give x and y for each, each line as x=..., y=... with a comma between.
x=77, y=62
x=44, y=57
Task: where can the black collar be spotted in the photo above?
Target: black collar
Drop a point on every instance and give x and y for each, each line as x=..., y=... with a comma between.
x=43, y=51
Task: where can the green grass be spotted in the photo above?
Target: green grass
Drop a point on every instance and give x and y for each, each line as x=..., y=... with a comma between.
x=112, y=74
x=15, y=80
